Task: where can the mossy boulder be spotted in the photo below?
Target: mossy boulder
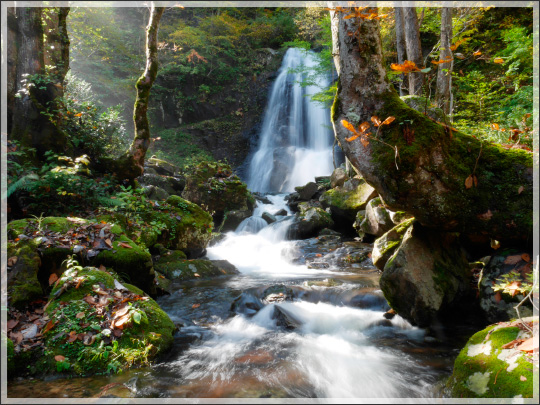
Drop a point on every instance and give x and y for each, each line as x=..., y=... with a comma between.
x=427, y=280
x=484, y=369
x=377, y=219
x=345, y=201
x=170, y=184
x=176, y=268
x=214, y=185
x=54, y=242
x=309, y=223
x=23, y=264
x=86, y=336
x=505, y=268
x=307, y=191
x=161, y=167
x=385, y=246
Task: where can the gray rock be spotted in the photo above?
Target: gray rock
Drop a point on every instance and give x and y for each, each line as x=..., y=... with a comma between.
x=309, y=224
x=308, y=191
x=233, y=218
x=338, y=177
x=428, y=280
x=282, y=212
x=155, y=193
x=377, y=220
x=385, y=246
x=268, y=217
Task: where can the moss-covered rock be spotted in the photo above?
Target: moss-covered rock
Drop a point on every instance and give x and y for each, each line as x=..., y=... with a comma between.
x=23, y=285
x=385, y=246
x=85, y=335
x=161, y=166
x=214, y=185
x=309, y=223
x=175, y=268
x=345, y=202
x=427, y=279
x=484, y=369
x=377, y=219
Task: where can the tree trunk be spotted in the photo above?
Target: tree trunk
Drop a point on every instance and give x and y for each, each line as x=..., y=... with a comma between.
x=132, y=164
x=32, y=90
x=57, y=43
x=401, y=46
x=414, y=48
x=435, y=180
x=443, y=95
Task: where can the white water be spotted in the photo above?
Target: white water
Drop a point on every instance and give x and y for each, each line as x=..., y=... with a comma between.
x=295, y=143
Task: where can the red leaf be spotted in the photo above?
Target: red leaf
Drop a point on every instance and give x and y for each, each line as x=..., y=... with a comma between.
x=12, y=323
x=53, y=278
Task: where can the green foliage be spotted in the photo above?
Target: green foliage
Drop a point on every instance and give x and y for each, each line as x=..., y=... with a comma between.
x=513, y=283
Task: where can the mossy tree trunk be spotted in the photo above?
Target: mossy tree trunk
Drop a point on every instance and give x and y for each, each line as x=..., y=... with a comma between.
x=57, y=44
x=401, y=47
x=433, y=162
x=414, y=48
x=32, y=91
x=443, y=95
x=132, y=164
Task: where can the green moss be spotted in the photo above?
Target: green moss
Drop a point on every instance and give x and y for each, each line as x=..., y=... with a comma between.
x=469, y=371
x=22, y=280
x=348, y=201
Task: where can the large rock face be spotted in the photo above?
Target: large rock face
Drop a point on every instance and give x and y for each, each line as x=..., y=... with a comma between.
x=385, y=246
x=490, y=366
x=427, y=279
x=507, y=268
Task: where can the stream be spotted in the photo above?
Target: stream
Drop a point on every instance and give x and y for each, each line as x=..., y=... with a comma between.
x=303, y=319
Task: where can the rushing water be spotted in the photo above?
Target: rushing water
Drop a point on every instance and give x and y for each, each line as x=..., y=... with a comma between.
x=324, y=337
x=295, y=133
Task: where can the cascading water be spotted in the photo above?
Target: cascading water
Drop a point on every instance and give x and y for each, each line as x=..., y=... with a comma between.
x=295, y=143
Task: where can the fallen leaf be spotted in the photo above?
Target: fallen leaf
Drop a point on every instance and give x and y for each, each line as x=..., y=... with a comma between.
x=12, y=323
x=513, y=259
x=126, y=245
x=514, y=287
x=486, y=216
x=529, y=345
x=526, y=257
x=59, y=358
x=102, y=267
x=80, y=315
x=498, y=60
x=520, y=189
x=523, y=378
x=89, y=299
x=194, y=306
x=72, y=336
x=53, y=278
x=108, y=242
x=48, y=327
x=318, y=255
x=469, y=182
x=12, y=261
x=122, y=311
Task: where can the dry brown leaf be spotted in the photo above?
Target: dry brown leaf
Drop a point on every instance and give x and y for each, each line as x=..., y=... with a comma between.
x=486, y=216
x=194, y=306
x=102, y=267
x=59, y=358
x=80, y=315
x=513, y=287
x=49, y=326
x=526, y=257
x=12, y=323
x=108, y=242
x=469, y=182
x=122, y=311
x=513, y=259
x=529, y=345
x=53, y=278
x=523, y=378
x=89, y=299
x=126, y=245
x=12, y=261
x=520, y=189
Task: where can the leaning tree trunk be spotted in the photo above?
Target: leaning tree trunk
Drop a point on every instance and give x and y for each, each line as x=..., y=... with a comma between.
x=443, y=94
x=401, y=47
x=32, y=90
x=446, y=179
x=131, y=165
x=414, y=48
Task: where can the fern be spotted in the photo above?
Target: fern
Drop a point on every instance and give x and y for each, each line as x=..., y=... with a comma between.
x=24, y=183
x=109, y=202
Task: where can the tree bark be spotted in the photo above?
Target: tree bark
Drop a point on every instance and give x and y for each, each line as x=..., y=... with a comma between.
x=401, y=46
x=57, y=43
x=435, y=163
x=132, y=164
x=443, y=95
x=414, y=48
x=32, y=90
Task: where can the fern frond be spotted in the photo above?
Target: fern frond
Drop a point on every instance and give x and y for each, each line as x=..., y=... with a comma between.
x=23, y=183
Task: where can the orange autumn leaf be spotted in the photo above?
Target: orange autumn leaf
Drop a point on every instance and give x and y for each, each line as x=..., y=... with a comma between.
x=477, y=53
x=388, y=120
x=528, y=345
x=78, y=115
x=458, y=43
x=495, y=126
x=469, y=182
x=498, y=60
x=59, y=358
x=53, y=278
x=194, y=306
x=348, y=125
x=352, y=138
x=125, y=245
x=438, y=62
x=526, y=257
x=376, y=121
x=363, y=126
x=364, y=141
x=406, y=67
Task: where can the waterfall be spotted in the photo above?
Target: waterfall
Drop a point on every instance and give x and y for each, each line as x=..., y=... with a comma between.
x=295, y=143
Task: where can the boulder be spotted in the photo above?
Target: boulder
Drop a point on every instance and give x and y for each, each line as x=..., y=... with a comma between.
x=155, y=193
x=23, y=262
x=490, y=366
x=214, y=185
x=161, y=167
x=345, y=203
x=307, y=192
x=172, y=185
x=176, y=268
x=503, y=285
x=338, y=177
x=377, y=219
x=309, y=223
x=385, y=246
x=233, y=218
x=101, y=318
x=427, y=279
x=268, y=217
x=277, y=293
x=281, y=212
x=358, y=221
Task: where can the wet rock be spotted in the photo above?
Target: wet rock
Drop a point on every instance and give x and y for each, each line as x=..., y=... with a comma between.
x=246, y=304
x=261, y=198
x=360, y=217
x=318, y=265
x=307, y=192
x=285, y=319
x=306, y=205
x=491, y=366
x=377, y=220
x=282, y=212
x=385, y=246
x=498, y=304
x=427, y=279
x=169, y=184
x=327, y=282
x=277, y=293
x=216, y=238
x=233, y=218
x=329, y=232
x=268, y=217
x=309, y=224
x=338, y=177
x=344, y=204
x=175, y=266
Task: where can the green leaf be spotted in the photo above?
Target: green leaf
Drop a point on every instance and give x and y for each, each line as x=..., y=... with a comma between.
x=426, y=70
x=137, y=317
